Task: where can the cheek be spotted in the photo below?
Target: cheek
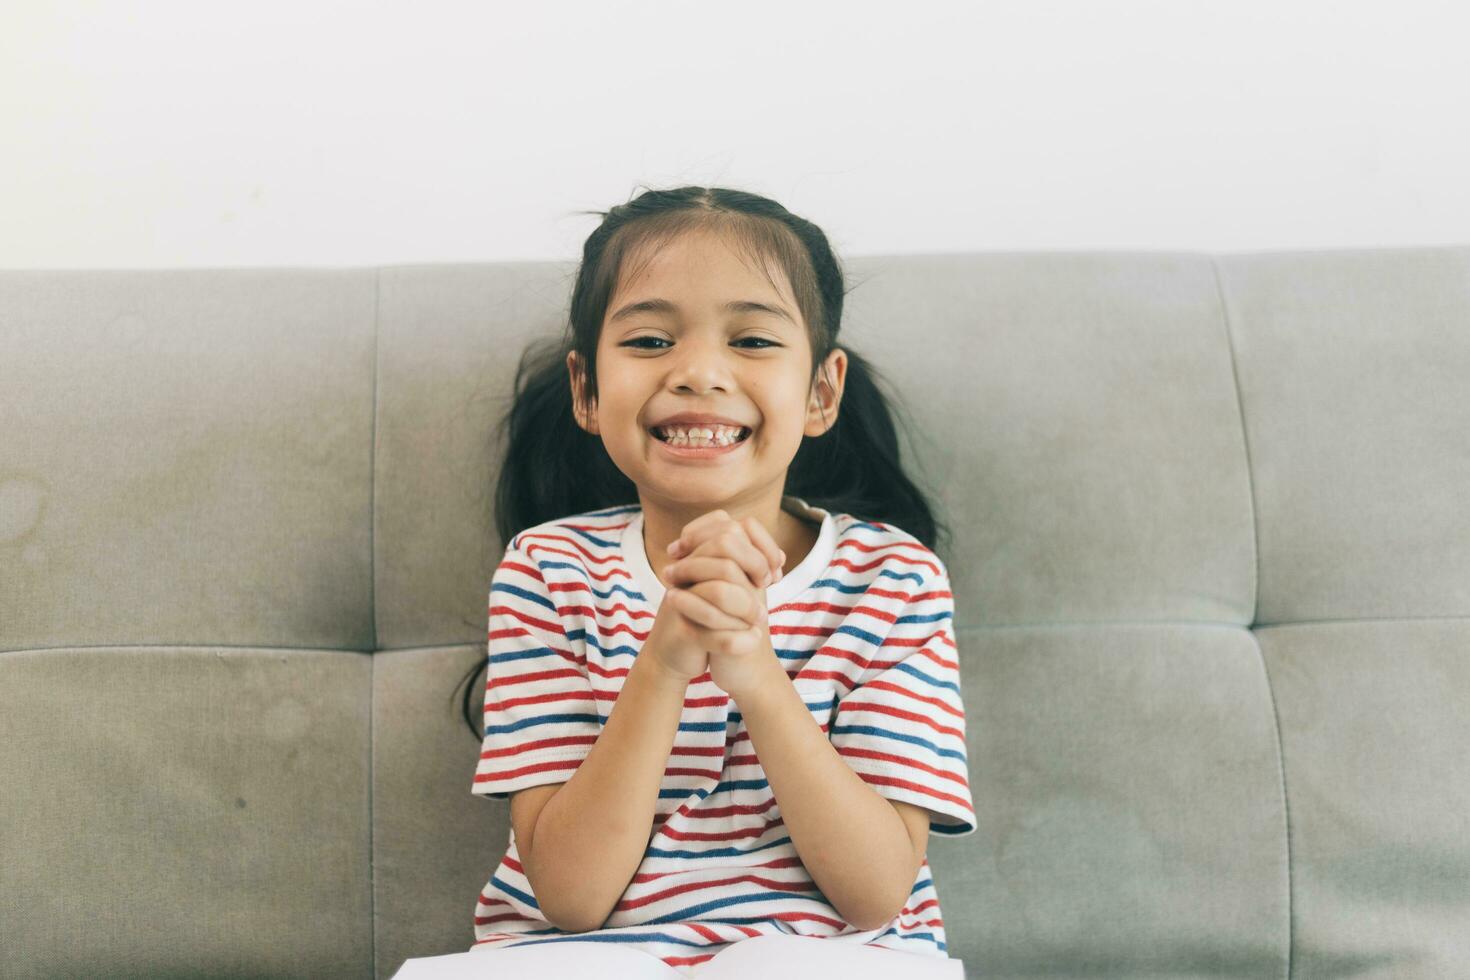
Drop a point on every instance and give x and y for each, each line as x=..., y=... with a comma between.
x=791, y=415
x=779, y=395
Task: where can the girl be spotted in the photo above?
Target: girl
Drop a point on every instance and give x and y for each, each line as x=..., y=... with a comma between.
x=723, y=695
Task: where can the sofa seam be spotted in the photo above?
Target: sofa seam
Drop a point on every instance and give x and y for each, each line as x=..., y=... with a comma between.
x=966, y=628
x=1225, y=320
x=373, y=650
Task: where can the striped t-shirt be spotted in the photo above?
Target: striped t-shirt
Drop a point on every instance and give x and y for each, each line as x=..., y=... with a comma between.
x=864, y=626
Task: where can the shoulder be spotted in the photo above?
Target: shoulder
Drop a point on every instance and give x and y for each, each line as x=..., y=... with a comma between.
x=545, y=560
x=891, y=555
x=573, y=536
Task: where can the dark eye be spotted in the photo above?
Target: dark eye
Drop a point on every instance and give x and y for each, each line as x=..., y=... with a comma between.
x=637, y=342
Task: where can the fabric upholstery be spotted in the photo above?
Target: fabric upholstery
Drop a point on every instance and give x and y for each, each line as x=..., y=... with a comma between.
x=1210, y=550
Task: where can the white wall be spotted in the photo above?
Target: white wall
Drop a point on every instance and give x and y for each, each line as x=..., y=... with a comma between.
x=153, y=134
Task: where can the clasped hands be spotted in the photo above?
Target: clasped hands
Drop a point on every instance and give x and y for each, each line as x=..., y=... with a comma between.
x=717, y=586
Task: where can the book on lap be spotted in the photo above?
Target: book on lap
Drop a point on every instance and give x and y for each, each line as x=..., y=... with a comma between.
x=774, y=957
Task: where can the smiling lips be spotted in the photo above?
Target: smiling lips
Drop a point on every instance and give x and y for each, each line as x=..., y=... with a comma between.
x=701, y=441
x=699, y=435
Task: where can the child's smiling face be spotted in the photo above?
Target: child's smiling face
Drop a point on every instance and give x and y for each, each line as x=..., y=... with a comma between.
x=693, y=354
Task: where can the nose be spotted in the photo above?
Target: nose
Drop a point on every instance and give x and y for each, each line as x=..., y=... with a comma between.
x=699, y=367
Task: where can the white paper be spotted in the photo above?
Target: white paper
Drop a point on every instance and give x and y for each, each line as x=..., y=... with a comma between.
x=545, y=961
x=773, y=957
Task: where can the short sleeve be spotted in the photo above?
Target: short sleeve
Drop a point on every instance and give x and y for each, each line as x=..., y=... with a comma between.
x=541, y=716
x=902, y=729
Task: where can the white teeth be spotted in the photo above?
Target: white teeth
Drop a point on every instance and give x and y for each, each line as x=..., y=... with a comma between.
x=720, y=435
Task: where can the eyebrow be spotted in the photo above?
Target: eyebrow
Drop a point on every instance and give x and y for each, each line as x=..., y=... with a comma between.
x=664, y=306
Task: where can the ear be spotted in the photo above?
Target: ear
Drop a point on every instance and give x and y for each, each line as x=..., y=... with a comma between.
x=826, y=394
x=585, y=418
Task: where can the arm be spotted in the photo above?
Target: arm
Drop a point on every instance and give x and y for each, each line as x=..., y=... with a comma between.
x=853, y=841
x=589, y=838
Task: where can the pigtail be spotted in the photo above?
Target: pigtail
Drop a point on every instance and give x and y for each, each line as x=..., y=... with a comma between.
x=854, y=467
x=552, y=466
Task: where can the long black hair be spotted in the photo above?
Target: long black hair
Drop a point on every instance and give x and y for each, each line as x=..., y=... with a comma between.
x=554, y=468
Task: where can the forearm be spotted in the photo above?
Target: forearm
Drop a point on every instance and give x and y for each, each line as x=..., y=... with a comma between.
x=591, y=835
x=850, y=838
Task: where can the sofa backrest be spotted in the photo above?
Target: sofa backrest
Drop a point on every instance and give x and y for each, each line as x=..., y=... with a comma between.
x=1210, y=551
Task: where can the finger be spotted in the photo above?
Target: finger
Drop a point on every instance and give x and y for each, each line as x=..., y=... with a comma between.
x=739, y=602
x=731, y=541
x=694, y=531
x=762, y=539
x=702, y=612
x=747, y=541
x=721, y=582
x=703, y=568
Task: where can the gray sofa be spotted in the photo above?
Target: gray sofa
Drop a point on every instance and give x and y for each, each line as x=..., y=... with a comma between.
x=1211, y=559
